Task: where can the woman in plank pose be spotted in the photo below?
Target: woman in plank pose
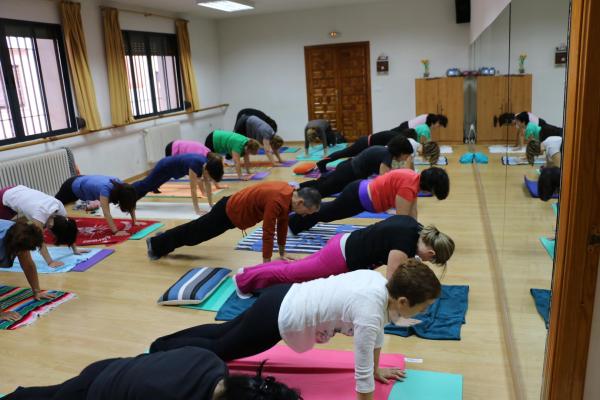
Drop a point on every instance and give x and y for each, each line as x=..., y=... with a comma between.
x=237, y=145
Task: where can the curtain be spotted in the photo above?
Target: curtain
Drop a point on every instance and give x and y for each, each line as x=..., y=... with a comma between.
x=85, y=95
x=118, y=84
x=188, y=77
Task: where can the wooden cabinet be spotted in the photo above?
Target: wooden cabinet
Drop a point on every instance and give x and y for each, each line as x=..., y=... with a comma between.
x=443, y=96
x=338, y=87
x=497, y=95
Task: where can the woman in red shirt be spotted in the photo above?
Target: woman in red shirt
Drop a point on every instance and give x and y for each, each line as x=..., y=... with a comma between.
x=398, y=188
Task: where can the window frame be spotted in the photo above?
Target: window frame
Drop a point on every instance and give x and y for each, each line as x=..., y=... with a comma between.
x=12, y=90
x=178, y=79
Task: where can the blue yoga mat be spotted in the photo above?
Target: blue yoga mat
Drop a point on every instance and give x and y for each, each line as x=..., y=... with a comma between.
x=282, y=150
x=532, y=187
x=542, y=298
x=428, y=385
x=443, y=320
x=233, y=307
x=64, y=254
x=549, y=245
x=315, y=153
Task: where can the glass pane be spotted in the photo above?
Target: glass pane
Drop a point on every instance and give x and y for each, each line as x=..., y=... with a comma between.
x=7, y=130
x=54, y=88
x=165, y=83
x=139, y=85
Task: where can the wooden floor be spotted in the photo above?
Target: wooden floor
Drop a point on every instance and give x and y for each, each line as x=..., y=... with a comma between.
x=495, y=226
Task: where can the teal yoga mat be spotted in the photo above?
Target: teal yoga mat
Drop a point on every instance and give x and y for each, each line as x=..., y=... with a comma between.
x=428, y=385
x=315, y=153
x=216, y=300
x=548, y=245
x=555, y=208
x=146, y=231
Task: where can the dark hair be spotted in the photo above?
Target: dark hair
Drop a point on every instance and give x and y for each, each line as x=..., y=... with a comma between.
x=124, y=195
x=240, y=387
x=436, y=181
x=548, y=183
x=214, y=166
x=534, y=149
x=431, y=119
x=443, y=120
x=506, y=119
x=399, y=145
x=64, y=230
x=415, y=281
x=311, y=197
x=22, y=236
x=523, y=117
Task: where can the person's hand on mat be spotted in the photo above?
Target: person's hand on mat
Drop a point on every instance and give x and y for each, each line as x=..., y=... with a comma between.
x=56, y=264
x=121, y=233
x=245, y=177
x=43, y=295
x=217, y=186
x=10, y=316
x=384, y=375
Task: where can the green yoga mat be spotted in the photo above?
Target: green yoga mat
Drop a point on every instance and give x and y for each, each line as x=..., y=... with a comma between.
x=217, y=298
x=427, y=385
x=315, y=153
x=555, y=208
x=146, y=231
x=548, y=245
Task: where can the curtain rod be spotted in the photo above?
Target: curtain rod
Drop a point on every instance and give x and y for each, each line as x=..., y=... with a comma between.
x=144, y=13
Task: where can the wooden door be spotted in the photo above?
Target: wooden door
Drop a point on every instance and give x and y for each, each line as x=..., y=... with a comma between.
x=355, y=90
x=492, y=100
x=426, y=96
x=451, y=94
x=519, y=98
x=338, y=85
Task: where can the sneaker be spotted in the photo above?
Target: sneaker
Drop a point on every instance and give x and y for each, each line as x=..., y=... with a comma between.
x=239, y=293
x=150, y=252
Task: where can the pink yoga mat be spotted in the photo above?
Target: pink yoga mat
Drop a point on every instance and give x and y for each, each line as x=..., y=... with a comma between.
x=318, y=374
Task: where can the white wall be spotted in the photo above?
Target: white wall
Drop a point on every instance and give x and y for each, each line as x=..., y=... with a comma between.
x=121, y=151
x=262, y=57
x=483, y=14
x=537, y=27
x=592, y=383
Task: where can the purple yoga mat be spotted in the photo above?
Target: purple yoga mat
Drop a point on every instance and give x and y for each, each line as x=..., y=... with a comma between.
x=260, y=175
x=287, y=163
x=89, y=263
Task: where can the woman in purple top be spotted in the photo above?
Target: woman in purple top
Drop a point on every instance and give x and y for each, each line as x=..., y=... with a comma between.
x=106, y=189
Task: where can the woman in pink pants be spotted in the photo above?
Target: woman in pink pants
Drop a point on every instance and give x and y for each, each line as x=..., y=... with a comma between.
x=391, y=242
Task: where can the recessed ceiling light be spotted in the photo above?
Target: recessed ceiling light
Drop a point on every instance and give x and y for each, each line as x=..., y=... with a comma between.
x=225, y=5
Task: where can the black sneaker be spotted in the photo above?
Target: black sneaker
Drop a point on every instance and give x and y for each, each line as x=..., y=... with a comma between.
x=151, y=254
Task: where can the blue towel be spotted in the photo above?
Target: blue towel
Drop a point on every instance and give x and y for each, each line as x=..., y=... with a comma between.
x=233, y=307
x=467, y=158
x=443, y=320
x=549, y=245
x=542, y=298
x=481, y=158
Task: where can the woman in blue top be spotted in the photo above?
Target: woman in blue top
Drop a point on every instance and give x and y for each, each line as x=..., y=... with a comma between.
x=106, y=189
x=17, y=239
x=180, y=166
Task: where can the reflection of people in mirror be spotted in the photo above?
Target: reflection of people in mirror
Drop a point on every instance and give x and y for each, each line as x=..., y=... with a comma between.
x=551, y=147
x=423, y=124
x=548, y=183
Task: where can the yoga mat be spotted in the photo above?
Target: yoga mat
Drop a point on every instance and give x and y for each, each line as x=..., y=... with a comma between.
x=549, y=245
x=315, y=153
x=161, y=210
x=443, y=160
x=234, y=306
x=532, y=187
x=508, y=160
x=179, y=190
x=146, y=231
x=428, y=385
x=367, y=214
x=443, y=320
x=318, y=374
x=253, y=177
x=285, y=163
x=217, y=298
x=307, y=242
x=282, y=150
x=315, y=173
x=446, y=149
x=73, y=262
x=499, y=149
x=555, y=208
x=542, y=299
x=94, y=231
x=21, y=300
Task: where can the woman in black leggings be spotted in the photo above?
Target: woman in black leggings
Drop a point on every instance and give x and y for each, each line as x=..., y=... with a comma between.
x=376, y=139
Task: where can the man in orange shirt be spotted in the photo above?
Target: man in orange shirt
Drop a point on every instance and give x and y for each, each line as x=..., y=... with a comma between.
x=270, y=202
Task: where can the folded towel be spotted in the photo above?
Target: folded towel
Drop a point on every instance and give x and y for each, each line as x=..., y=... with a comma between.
x=542, y=299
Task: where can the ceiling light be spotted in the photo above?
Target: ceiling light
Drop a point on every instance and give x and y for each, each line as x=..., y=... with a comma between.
x=227, y=6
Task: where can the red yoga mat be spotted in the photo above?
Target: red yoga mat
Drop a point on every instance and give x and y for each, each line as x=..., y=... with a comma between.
x=317, y=374
x=95, y=231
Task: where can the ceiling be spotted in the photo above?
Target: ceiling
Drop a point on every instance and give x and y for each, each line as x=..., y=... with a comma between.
x=189, y=7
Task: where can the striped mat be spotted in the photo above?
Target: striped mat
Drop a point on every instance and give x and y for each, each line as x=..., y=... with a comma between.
x=21, y=300
x=194, y=287
x=307, y=242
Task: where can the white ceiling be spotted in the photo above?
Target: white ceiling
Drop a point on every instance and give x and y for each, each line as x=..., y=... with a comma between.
x=189, y=7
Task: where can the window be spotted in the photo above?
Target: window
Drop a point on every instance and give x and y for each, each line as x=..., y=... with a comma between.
x=35, y=93
x=153, y=73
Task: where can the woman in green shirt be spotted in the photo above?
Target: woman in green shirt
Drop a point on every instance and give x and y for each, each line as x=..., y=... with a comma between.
x=226, y=142
x=423, y=133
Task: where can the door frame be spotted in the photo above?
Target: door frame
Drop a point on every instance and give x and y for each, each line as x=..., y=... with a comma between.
x=367, y=44
x=576, y=264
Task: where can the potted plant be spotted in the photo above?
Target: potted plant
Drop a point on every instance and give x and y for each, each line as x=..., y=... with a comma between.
x=425, y=63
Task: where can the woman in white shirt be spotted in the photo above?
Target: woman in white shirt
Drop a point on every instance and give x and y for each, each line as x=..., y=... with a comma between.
x=306, y=313
x=46, y=212
x=429, y=151
x=552, y=147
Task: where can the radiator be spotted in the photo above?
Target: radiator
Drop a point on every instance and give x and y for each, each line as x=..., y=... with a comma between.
x=157, y=138
x=44, y=172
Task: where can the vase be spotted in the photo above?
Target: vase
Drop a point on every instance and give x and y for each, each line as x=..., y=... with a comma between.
x=426, y=72
x=521, y=69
